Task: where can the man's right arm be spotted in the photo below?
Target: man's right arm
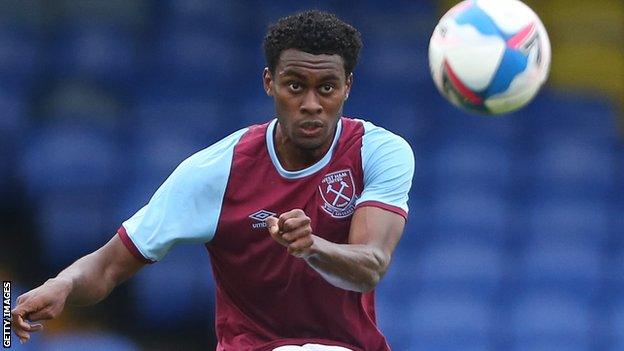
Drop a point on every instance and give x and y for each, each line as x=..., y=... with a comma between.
x=85, y=282
x=185, y=208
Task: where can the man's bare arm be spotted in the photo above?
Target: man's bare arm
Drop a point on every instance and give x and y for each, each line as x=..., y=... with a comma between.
x=358, y=265
x=85, y=282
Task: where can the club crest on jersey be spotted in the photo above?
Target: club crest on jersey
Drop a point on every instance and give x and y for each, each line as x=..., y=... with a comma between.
x=338, y=193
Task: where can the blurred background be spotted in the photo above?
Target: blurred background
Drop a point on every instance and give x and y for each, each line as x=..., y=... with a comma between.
x=515, y=237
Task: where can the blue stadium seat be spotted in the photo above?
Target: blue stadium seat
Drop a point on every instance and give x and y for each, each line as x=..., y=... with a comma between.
x=227, y=17
x=400, y=116
x=402, y=30
x=470, y=214
x=255, y=108
x=473, y=162
x=575, y=268
x=367, y=9
x=99, y=52
x=13, y=121
x=70, y=173
x=399, y=285
x=614, y=321
x=19, y=57
x=89, y=340
x=169, y=127
x=419, y=223
x=449, y=321
x=581, y=116
x=198, y=58
x=474, y=268
x=568, y=220
x=67, y=156
x=398, y=57
x=80, y=103
x=457, y=125
x=155, y=156
x=615, y=270
x=550, y=318
x=13, y=125
x=135, y=194
x=72, y=225
x=617, y=208
x=551, y=345
x=390, y=319
x=184, y=272
x=165, y=110
x=568, y=166
x=270, y=11
x=126, y=14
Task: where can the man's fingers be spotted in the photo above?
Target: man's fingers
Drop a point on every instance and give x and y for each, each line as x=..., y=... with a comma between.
x=19, y=321
x=274, y=230
x=272, y=225
x=293, y=223
x=24, y=339
x=36, y=327
x=290, y=227
x=21, y=333
x=290, y=214
x=42, y=315
x=296, y=234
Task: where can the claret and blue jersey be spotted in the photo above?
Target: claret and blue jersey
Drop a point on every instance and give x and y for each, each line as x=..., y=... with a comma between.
x=221, y=196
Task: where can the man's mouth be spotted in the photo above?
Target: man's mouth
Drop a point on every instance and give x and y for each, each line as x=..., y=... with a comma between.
x=311, y=127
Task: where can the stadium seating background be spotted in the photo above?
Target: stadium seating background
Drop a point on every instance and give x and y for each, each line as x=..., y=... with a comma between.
x=514, y=240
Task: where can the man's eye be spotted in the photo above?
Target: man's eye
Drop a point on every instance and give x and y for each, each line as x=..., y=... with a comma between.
x=327, y=88
x=294, y=86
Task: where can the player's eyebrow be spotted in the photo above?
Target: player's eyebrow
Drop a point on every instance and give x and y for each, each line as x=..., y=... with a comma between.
x=296, y=74
x=292, y=72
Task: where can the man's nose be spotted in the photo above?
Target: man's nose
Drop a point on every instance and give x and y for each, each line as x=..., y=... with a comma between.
x=311, y=104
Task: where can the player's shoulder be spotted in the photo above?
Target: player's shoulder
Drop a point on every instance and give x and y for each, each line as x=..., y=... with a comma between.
x=376, y=137
x=386, y=156
x=219, y=150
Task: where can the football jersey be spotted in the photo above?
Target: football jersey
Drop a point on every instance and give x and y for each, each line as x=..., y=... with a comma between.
x=221, y=196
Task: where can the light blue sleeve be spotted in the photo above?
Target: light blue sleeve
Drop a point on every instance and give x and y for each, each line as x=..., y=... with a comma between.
x=187, y=205
x=388, y=163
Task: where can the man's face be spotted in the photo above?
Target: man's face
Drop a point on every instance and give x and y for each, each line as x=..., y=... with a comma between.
x=309, y=92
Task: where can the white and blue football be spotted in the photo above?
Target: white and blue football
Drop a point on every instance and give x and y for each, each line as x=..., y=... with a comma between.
x=489, y=56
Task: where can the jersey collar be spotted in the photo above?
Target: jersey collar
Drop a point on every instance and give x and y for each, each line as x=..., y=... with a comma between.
x=306, y=171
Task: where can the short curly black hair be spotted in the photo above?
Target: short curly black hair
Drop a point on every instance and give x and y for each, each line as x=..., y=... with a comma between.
x=314, y=32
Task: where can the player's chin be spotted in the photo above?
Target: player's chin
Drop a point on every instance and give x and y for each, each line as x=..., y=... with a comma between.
x=310, y=143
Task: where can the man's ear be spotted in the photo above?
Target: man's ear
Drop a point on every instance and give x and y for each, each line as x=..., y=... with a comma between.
x=348, y=85
x=267, y=81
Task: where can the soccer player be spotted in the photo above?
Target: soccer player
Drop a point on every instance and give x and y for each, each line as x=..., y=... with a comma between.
x=300, y=215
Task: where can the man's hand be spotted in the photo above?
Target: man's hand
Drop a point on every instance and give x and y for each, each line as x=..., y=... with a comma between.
x=292, y=230
x=42, y=303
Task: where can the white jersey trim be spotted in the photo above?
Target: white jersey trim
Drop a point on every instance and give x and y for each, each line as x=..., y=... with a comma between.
x=306, y=171
x=311, y=347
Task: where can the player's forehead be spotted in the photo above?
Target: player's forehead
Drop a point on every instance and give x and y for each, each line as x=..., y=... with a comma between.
x=301, y=63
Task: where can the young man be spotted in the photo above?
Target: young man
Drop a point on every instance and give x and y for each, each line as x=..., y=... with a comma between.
x=300, y=215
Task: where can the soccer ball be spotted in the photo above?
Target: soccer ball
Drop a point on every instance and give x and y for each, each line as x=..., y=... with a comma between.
x=489, y=56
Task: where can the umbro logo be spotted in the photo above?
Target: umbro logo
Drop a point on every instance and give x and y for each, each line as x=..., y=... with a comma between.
x=260, y=217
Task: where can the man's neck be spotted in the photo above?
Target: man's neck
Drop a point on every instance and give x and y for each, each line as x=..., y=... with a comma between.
x=293, y=158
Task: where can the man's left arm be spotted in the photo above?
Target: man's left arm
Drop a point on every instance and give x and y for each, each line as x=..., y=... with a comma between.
x=358, y=265
x=376, y=226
